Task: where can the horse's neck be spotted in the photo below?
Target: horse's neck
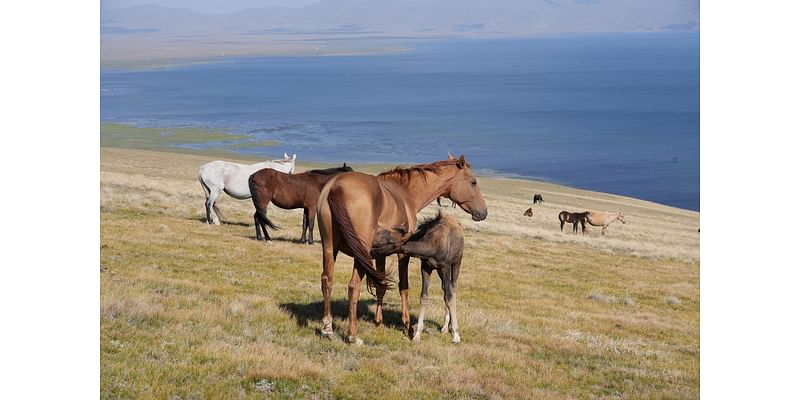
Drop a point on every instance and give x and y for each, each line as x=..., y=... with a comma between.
x=423, y=191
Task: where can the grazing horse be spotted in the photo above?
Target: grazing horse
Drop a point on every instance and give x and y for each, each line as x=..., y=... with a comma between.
x=218, y=176
x=528, y=212
x=289, y=191
x=537, y=198
x=574, y=218
x=604, y=219
x=439, y=244
x=369, y=217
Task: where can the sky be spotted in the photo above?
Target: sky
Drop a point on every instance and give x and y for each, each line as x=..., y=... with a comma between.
x=208, y=6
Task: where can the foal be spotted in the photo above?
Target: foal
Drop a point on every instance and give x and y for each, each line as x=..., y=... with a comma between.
x=439, y=244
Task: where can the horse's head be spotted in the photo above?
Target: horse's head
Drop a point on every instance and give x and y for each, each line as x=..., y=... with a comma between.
x=465, y=192
x=620, y=217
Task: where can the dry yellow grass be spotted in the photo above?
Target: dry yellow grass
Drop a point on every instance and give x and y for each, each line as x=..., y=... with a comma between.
x=196, y=311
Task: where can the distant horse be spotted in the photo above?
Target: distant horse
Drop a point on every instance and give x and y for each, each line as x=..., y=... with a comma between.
x=218, y=176
x=439, y=244
x=289, y=191
x=537, y=198
x=528, y=212
x=604, y=219
x=369, y=217
x=574, y=219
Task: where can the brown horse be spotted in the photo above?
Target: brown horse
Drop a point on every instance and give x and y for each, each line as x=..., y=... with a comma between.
x=369, y=217
x=574, y=218
x=537, y=198
x=289, y=191
x=439, y=244
x=604, y=219
x=528, y=212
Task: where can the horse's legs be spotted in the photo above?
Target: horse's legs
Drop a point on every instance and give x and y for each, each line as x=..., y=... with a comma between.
x=380, y=265
x=446, y=324
x=258, y=226
x=311, y=211
x=402, y=264
x=575, y=228
x=423, y=298
x=353, y=292
x=326, y=281
x=305, y=225
x=211, y=216
x=452, y=274
x=562, y=224
x=603, y=231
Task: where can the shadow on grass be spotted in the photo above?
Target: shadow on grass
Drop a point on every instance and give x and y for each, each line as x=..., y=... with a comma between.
x=280, y=239
x=203, y=220
x=303, y=313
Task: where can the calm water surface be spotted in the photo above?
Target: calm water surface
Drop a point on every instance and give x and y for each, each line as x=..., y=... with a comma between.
x=612, y=113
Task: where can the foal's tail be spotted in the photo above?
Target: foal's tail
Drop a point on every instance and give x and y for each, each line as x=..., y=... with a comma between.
x=261, y=211
x=362, y=256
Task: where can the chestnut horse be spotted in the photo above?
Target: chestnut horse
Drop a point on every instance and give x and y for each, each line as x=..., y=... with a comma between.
x=370, y=217
x=289, y=191
x=574, y=219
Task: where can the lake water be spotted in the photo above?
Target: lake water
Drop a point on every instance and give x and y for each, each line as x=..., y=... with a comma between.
x=617, y=113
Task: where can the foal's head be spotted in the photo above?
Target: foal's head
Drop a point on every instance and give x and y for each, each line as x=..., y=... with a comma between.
x=620, y=217
x=465, y=192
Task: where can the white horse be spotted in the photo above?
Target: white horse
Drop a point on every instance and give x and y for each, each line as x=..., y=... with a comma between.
x=604, y=219
x=218, y=176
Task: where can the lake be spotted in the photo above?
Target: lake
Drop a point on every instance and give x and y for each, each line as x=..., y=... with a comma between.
x=617, y=113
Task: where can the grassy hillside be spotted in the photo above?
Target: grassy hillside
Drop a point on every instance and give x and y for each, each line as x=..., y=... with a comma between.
x=190, y=310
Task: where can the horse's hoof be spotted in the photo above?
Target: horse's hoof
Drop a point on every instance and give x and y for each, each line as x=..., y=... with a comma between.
x=355, y=341
x=327, y=335
x=416, y=338
x=409, y=332
x=444, y=329
x=456, y=338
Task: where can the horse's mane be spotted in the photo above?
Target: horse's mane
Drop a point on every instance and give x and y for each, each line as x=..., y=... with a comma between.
x=329, y=171
x=405, y=174
x=430, y=222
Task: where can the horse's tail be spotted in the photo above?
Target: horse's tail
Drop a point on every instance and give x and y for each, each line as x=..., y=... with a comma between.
x=202, y=183
x=361, y=255
x=261, y=210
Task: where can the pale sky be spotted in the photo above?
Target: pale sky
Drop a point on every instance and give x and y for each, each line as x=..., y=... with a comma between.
x=208, y=6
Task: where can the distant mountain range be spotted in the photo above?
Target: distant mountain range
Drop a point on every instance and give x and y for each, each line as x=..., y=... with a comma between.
x=341, y=20
x=364, y=17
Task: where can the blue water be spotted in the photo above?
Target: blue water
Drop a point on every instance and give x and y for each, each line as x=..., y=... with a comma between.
x=612, y=113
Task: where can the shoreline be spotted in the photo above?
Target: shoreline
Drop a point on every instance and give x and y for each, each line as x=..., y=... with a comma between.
x=130, y=136
x=662, y=231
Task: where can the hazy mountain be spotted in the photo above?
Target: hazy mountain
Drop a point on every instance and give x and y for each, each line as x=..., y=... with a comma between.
x=156, y=35
x=367, y=17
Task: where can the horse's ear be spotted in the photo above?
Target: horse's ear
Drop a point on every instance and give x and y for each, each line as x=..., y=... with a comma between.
x=450, y=156
x=285, y=155
x=461, y=162
x=294, y=156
